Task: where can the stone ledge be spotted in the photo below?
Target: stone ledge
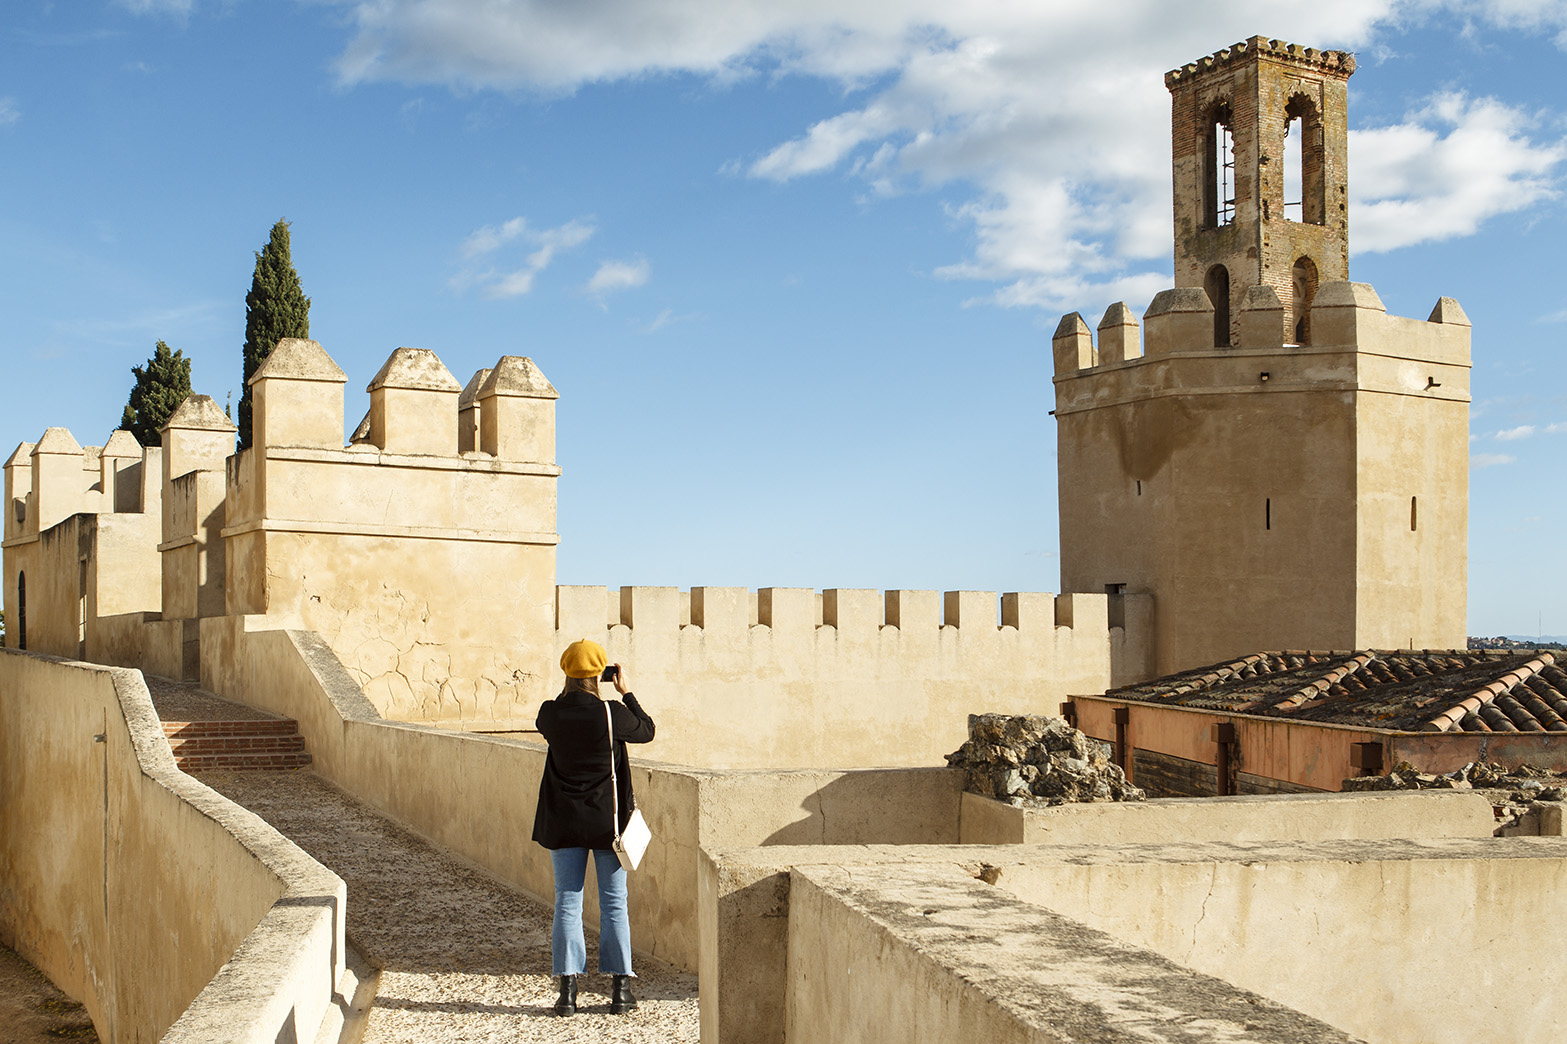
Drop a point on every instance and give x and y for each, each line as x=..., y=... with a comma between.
x=996, y=967
x=367, y=454
x=484, y=536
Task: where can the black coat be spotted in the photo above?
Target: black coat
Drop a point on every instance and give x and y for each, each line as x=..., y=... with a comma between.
x=575, y=805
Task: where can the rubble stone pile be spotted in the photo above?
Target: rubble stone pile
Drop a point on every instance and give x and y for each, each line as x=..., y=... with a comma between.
x=1526, y=782
x=1031, y=759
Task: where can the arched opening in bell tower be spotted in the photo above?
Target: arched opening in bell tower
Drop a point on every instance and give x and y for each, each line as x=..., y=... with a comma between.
x=1303, y=283
x=1304, y=181
x=1217, y=284
x=1218, y=151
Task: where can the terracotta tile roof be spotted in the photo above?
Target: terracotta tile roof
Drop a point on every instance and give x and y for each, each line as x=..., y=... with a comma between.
x=1430, y=690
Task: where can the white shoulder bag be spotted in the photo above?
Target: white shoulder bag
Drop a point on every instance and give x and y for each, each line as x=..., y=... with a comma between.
x=630, y=844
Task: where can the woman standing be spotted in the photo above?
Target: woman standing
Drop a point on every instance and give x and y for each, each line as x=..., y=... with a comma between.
x=575, y=813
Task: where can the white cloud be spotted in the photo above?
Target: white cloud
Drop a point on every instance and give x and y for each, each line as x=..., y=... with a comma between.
x=1488, y=460
x=173, y=7
x=9, y=113
x=1533, y=15
x=1413, y=183
x=1052, y=118
x=619, y=275
x=1523, y=431
x=494, y=282
x=144, y=327
x=667, y=317
x=1558, y=428
x=490, y=238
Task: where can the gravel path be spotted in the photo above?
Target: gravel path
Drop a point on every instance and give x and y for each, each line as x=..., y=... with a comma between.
x=186, y=701
x=34, y=1011
x=463, y=957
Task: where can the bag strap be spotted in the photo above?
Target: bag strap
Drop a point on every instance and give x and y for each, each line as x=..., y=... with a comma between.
x=614, y=785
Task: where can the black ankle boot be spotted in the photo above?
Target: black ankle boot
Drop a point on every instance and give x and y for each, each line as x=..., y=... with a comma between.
x=567, y=1002
x=620, y=998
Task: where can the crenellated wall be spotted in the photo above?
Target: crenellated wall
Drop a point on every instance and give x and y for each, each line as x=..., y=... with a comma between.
x=429, y=571
x=1269, y=495
x=423, y=553
x=789, y=676
x=78, y=539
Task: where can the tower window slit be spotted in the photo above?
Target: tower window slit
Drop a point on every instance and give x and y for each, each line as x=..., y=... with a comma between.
x=1414, y=513
x=1217, y=285
x=1305, y=162
x=1226, y=145
x=1267, y=513
x=1217, y=148
x=1292, y=171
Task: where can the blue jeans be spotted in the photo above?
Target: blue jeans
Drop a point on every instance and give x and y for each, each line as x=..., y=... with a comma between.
x=568, y=950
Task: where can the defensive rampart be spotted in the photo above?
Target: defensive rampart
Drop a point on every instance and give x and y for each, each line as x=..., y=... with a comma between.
x=475, y=794
x=172, y=913
x=423, y=553
x=786, y=677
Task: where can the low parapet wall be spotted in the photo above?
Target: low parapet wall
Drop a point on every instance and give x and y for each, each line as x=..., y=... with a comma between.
x=787, y=677
x=172, y=913
x=1287, y=817
x=1384, y=939
x=898, y=953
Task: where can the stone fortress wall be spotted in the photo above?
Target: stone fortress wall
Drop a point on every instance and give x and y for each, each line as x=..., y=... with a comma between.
x=410, y=575
x=1269, y=494
x=423, y=552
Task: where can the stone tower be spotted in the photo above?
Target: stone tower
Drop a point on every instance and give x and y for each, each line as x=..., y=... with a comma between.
x=1261, y=176
x=1278, y=462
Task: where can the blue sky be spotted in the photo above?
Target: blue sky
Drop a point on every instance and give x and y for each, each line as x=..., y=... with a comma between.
x=793, y=267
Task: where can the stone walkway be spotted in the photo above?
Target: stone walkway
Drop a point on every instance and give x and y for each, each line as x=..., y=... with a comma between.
x=186, y=701
x=463, y=957
x=34, y=1011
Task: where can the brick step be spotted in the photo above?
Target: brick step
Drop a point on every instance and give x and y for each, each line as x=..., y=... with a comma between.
x=210, y=746
x=226, y=762
x=197, y=729
x=202, y=746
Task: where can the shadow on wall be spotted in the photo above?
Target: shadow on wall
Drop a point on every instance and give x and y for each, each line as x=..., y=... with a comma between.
x=877, y=807
x=95, y=809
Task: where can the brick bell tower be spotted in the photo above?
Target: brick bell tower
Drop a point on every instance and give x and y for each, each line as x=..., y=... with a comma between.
x=1261, y=177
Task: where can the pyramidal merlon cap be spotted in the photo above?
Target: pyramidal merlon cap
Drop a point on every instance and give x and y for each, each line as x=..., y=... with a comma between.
x=299, y=359
x=517, y=375
x=58, y=440
x=121, y=444
x=416, y=369
x=470, y=391
x=199, y=413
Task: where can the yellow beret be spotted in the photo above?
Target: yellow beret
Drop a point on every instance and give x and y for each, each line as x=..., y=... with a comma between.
x=584, y=659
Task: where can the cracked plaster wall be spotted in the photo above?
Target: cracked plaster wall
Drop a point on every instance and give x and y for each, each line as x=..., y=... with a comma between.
x=432, y=630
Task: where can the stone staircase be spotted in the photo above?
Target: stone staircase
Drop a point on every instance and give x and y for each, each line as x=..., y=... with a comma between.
x=211, y=746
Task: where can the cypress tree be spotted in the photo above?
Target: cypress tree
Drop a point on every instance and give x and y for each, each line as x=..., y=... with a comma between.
x=160, y=387
x=275, y=308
